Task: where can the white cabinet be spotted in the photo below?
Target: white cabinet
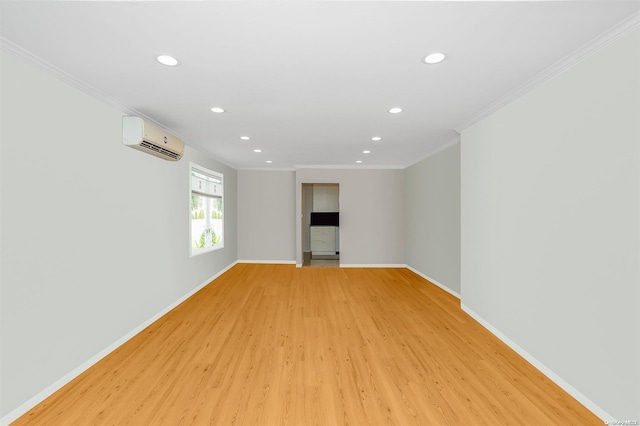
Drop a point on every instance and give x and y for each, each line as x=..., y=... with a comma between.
x=323, y=239
x=325, y=197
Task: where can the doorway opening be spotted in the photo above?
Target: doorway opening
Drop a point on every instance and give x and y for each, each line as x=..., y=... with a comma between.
x=320, y=225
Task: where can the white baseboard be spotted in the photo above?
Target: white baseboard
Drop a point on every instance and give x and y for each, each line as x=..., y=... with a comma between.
x=271, y=262
x=431, y=280
x=590, y=405
x=45, y=393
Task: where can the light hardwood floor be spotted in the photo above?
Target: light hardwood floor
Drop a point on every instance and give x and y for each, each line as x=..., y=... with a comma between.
x=279, y=345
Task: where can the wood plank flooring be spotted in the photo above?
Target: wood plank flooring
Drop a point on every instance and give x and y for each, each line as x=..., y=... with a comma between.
x=279, y=345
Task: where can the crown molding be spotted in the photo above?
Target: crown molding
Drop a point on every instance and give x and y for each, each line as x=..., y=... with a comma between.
x=267, y=169
x=32, y=59
x=451, y=142
x=603, y=40
x=351, y=167
x=51, y=69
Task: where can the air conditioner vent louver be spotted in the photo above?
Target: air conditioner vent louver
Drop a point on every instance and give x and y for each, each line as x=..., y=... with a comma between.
x=147, y=137
x=160, y=150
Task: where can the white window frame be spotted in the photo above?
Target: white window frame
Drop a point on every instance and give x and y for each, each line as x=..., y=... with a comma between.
x=216, y=192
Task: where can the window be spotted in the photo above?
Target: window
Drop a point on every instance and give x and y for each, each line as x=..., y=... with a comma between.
x=207, y=225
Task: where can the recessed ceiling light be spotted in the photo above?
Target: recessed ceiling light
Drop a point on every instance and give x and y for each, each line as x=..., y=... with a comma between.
x=434, y=58
x=245, y=138
x=269, y=161
x=366, y=152
x=217, y=110
x=257, y=150
x=358, y=161
x=376, y=138
x=167, y=60
x=395, y=110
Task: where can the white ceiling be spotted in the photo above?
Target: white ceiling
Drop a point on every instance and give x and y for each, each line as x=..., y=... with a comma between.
x=309, y=81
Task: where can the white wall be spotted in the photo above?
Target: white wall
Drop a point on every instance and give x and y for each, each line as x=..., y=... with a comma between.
x=95, y=235
x=371, y=214
x=550, y=226
x=266, y=215
x=432, y=217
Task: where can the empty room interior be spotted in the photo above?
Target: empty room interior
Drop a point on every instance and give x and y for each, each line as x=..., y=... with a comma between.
x=320, y=212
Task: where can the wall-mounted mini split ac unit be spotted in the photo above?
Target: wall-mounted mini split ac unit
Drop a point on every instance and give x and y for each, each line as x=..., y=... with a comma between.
x=145, y=136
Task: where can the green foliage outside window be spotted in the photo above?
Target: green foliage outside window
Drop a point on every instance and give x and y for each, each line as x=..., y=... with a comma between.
x=201, y=243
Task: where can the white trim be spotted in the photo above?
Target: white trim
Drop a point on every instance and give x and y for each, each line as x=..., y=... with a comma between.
x=431, y=280
x=49, y=390
x=270, y=262
x=590, y=405
x=268, y=169
x=373, y=265
x=29, y=57
x=353, y=167
x=578, y=55
x=452, y=142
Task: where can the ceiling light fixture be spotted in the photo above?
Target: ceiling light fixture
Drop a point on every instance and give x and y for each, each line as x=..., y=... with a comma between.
x=376, y=138
x=245, y=138
x=217, y=110
x=167, y=60
x=434, y=58
x=366, y=152
x=269, y=161
x=257, y=150
x=358, y=161
x=395, y=110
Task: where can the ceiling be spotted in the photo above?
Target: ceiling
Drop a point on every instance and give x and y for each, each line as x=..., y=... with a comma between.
x=310, y=82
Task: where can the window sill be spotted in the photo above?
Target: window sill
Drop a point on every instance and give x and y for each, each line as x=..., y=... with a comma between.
x=205, y=250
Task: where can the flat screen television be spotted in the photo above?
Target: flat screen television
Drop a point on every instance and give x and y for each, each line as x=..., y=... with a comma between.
x=325, y=219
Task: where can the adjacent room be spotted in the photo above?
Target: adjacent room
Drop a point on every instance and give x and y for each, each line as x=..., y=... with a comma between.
x=315, y=212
